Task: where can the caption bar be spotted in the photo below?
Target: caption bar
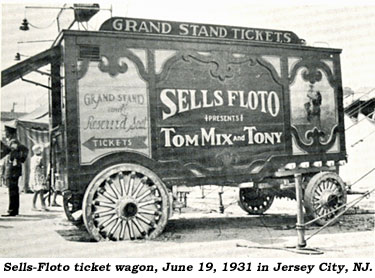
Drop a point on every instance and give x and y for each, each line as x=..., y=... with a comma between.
x=205, y=267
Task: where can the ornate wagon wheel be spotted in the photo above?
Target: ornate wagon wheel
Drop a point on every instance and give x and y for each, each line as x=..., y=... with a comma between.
x=125, y=202
x=254, y=200
x=324, y=193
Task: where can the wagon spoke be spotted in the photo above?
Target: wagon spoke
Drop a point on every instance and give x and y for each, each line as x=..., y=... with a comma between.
x=319, y=190
x=149, y=202
x=140, y=185
x=139, y=227
x=123, y=182
x=131, y=230
x=111, y=185
x=114, y=227
x=144, y=219
x=147, y=193
x=107, y=222
x=148, y=211
x=330, y=185
x=131, y=183
x=318, y=207
x=104, y=204
x=106, y=195
x=329, y=210
x=103, y=213
x=122, y=230
x=324, y=186
x=144, y=195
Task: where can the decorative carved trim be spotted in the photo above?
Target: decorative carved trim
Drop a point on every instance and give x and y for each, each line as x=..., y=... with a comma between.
x=312, y=73
x=219, y=62
x=315, y=145
x=271, y=69
x=292, y=61
x=161, y=56
x=329, y=63
x=167, y=65
x=112, y=63
x=295, y=148
x=275, y=61
x=141, y=54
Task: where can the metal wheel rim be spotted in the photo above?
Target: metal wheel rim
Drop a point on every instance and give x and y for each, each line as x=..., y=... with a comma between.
x=257, y=204
x=125, y=202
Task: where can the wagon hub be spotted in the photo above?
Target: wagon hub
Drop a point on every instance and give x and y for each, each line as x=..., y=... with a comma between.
x=329, y=199
x=130, y=210
x=127, y=208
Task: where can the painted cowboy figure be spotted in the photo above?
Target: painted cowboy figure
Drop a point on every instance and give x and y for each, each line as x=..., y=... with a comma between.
x=13, y=169
x=312, y=107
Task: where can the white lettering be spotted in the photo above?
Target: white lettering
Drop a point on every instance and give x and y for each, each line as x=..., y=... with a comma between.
x=171, y=106
x=273, y=103
x=117, y=24
x=184, y=29
x=231, y=97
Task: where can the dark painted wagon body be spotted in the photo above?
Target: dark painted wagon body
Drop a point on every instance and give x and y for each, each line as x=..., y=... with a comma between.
x=147, y=105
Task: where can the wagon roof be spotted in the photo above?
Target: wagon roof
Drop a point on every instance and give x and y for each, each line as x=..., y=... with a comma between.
x=222, y=41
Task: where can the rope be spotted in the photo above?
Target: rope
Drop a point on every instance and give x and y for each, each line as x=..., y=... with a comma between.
x=354, y=202
x=369, y=115
x=363, y=176
x=361, y=106
x=44, y=27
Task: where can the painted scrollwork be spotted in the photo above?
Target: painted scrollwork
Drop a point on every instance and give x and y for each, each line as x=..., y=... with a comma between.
x=111, y=62
x=112, y=65
x=316, y=142
x=312, y=75
x=312, y=72
x=220, y=63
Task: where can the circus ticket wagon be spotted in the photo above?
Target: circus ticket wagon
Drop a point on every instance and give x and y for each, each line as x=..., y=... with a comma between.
x=144, y=106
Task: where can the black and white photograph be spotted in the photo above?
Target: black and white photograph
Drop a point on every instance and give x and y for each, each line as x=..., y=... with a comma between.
x=188, y=129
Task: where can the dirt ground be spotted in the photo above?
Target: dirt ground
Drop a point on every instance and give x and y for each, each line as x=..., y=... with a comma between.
x=199, y=230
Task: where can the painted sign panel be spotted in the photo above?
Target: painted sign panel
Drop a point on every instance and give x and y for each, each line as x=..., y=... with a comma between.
x=183, y=29
x=219, y=115
x=314, y=117
x=113, y=112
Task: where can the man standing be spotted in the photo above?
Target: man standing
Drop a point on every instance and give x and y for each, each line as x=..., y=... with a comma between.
x=13, y=169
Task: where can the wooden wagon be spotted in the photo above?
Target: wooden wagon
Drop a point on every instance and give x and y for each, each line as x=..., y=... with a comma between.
x=143, y=106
